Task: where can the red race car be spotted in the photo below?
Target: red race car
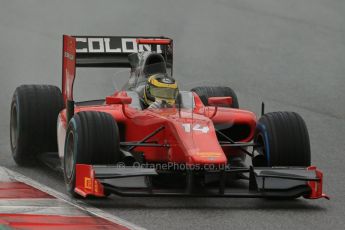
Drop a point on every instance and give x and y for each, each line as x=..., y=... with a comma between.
x=197, y=147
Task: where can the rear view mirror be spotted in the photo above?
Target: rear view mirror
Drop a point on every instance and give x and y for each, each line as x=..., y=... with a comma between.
x=123, y=100
x=220, y=101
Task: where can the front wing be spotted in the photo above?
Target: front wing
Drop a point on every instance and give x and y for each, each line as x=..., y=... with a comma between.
x=269, y=182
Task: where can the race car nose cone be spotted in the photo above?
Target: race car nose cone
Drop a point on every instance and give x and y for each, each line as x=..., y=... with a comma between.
x=208, y=158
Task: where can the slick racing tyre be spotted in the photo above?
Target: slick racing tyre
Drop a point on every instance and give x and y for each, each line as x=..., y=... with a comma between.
x=204, y=92
x=91, y=138
x=283, y=140
x=34, y=112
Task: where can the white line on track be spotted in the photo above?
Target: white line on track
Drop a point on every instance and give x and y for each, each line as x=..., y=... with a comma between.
x=76, y=203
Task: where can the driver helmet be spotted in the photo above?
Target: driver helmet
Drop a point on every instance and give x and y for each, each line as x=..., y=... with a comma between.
x=160, y=87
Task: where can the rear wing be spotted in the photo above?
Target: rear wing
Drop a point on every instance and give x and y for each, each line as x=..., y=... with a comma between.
x=106, y=51
x=113, y=51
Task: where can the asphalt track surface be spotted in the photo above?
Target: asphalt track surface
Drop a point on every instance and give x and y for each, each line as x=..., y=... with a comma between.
x=290, y=54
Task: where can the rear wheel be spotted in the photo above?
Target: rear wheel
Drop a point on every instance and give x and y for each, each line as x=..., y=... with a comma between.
x=91, y=138
x=205, y=92
x=283, y=139
x=34, y=112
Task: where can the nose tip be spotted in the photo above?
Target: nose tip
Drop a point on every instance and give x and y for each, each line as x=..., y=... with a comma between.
x=209, y=158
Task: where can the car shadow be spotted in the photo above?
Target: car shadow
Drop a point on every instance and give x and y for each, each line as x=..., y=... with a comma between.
x=128, y=203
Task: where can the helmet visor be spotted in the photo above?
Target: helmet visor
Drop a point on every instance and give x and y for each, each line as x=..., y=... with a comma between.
x=162, y=92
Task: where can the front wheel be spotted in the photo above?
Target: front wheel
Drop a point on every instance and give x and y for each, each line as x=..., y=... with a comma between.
x=283, y=140
x=91, y=138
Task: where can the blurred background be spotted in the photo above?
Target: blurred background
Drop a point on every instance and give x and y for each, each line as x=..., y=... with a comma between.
x=290, y=54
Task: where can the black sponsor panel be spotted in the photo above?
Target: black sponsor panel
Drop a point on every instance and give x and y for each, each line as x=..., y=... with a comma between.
x=110, y=51
x=113, y=45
